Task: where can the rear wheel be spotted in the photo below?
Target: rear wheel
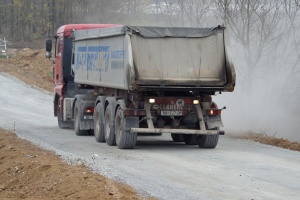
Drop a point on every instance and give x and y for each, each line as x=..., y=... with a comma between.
x=108, y=126
x=177, y=137
x=77, y=121
x=98, y=124
x=208, y=141
x=124, y=139
x=189, y=139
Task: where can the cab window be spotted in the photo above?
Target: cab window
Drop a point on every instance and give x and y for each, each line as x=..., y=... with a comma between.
x=58, y=46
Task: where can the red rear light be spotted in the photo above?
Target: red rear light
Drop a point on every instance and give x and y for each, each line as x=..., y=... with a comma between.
x=214, y=112
x=89, y=110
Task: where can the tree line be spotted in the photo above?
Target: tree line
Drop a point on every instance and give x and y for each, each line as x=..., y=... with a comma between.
x=27, y=19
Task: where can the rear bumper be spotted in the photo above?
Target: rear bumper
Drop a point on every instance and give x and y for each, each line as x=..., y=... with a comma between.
x=178, y=131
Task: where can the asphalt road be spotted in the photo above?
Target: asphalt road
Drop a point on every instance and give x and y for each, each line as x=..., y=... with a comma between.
x=157, y=166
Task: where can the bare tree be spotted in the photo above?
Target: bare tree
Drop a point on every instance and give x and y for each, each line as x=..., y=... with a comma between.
x=254, y=25
x=195, y=11
x=168, y=10
x=290, y=56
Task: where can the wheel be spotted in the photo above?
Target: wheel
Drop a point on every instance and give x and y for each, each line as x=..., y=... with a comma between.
x=98, y=124
x=77, y=121
x=108, y=126
x=177, y=137
x=189, y=139
x=124, y=139
x=208, y=141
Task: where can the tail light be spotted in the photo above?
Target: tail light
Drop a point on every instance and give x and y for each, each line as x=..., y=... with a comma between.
x=214, y=110
x=89, y=110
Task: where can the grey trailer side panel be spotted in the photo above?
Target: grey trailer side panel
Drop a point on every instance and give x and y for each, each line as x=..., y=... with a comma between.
x=102, y=62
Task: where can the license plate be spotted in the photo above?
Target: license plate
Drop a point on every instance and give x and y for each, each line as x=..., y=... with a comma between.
x=171, y=113
x=88, y=117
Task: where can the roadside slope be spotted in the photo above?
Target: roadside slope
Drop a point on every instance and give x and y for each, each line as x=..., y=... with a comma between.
x=31, y=67
x=27, y=171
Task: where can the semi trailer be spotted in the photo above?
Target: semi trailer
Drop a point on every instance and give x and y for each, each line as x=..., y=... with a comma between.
x=117, y=81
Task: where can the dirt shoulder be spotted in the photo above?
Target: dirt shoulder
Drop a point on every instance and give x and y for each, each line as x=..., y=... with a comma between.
x=28, y=172
x=265, y=139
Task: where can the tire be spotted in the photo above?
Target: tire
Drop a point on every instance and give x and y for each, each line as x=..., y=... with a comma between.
x=77, y=121
x=208, y=141
x=108, y=126
x=189, y=139
x=124, y=139
x=98, y=124
x=177, y=137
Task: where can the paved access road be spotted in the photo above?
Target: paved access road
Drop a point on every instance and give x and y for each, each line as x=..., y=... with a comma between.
x=157, y=166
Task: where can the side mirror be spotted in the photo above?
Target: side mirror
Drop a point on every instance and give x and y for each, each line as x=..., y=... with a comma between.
x=48, y=48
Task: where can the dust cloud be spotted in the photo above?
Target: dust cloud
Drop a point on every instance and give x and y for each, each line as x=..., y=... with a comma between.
x=265, y=101
x=266, y=104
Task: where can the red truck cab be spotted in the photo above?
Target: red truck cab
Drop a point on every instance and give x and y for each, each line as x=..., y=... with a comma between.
x=62, y=75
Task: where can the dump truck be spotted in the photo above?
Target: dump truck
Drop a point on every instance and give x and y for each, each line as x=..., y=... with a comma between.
x=119, y=81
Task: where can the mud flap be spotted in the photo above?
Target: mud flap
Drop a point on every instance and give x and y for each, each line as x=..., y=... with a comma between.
x=131, y=122
x=86, y=123
x=213, y=122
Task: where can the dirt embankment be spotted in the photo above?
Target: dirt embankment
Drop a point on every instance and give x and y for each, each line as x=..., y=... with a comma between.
x=31, y=67
x=265, y=139
x=27, y=172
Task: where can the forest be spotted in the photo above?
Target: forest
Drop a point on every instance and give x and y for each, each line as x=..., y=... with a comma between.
x=265, y=40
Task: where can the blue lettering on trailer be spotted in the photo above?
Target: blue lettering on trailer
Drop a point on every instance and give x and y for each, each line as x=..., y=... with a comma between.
x=118, y=54
x=80, y=61
x=92, y=58
x=97, y=58
x=117, y=59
